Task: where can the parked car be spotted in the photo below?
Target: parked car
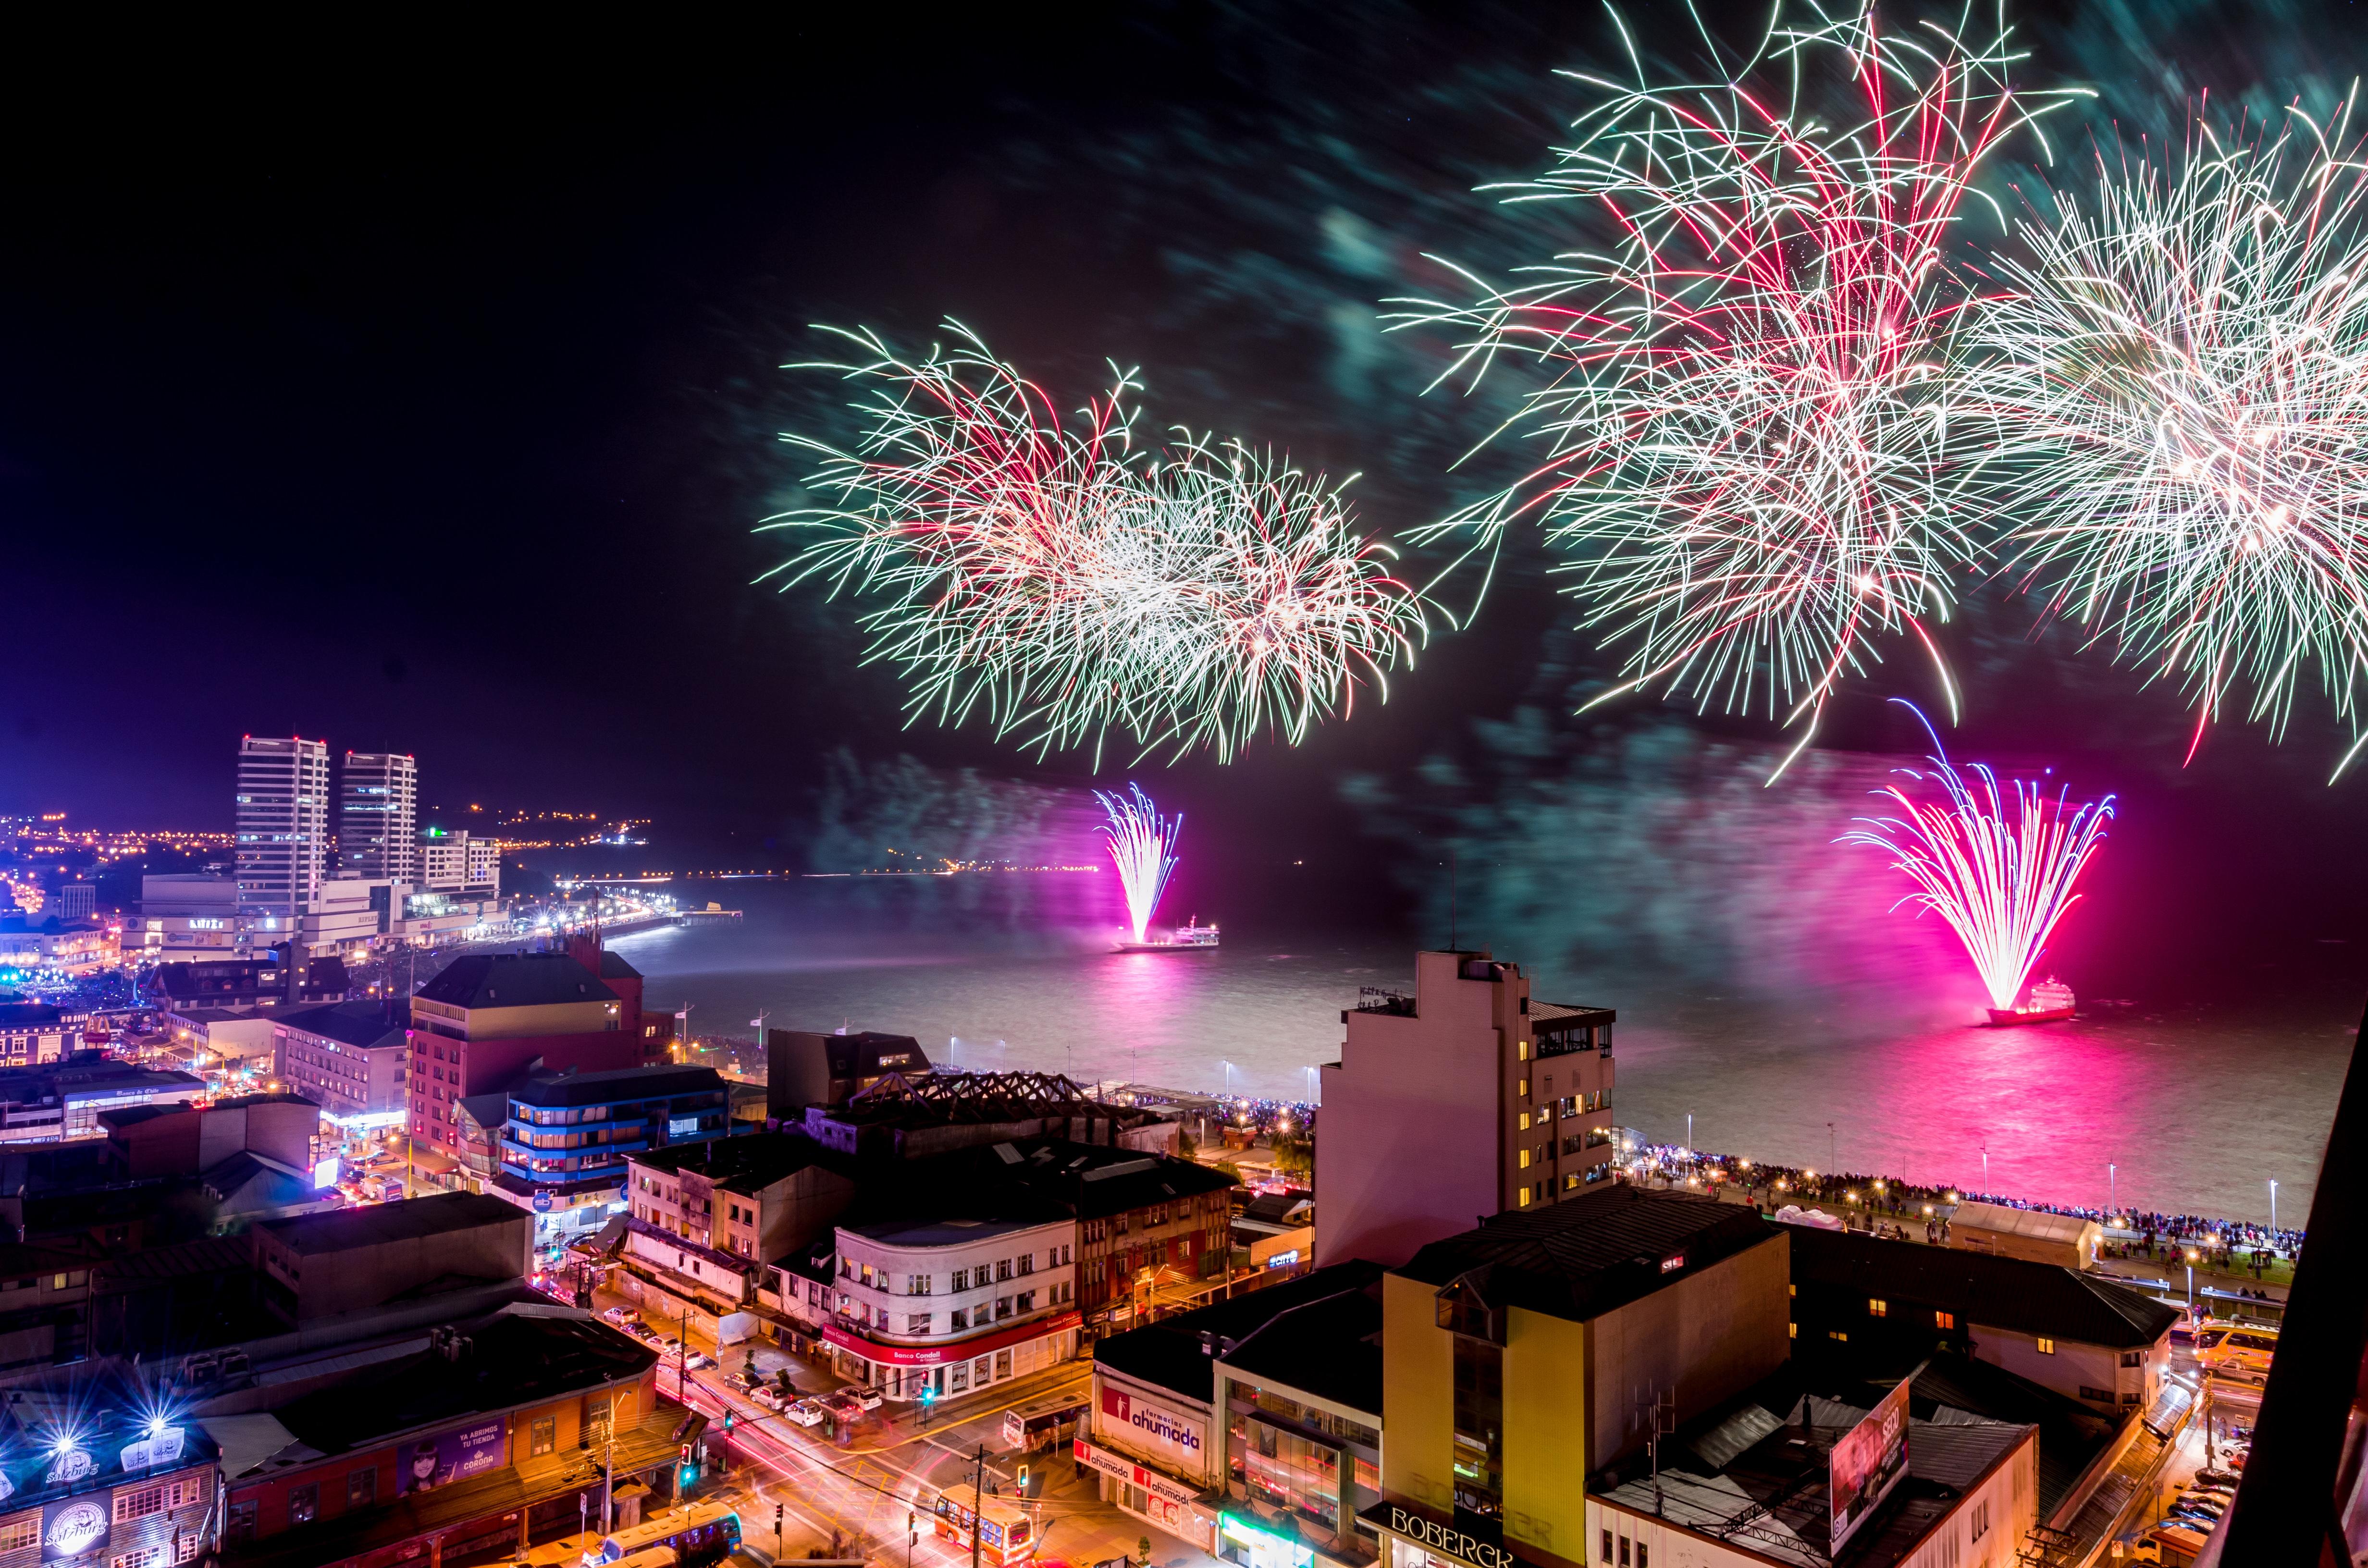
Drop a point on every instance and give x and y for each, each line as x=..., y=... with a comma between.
x=621, y=1316
x=698, y=1361
x=642, y=1332
x=843, y=1404
x=805, y=1413
x=868, y=1398
x=738, y=1382
x=668, y=1346
x=769, y=1397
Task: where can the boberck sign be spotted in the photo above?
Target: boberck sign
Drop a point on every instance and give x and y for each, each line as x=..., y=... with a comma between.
x=1461, y=1545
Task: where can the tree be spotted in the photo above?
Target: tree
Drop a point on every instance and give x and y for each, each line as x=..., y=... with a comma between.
x=1143, y=1551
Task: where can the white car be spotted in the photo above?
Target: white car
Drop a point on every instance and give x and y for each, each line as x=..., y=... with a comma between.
x=767, y=1395
x=698, y=1361
x=871, y=1399
x=621, y=1316
x=805, y=1413
x=668, y=1346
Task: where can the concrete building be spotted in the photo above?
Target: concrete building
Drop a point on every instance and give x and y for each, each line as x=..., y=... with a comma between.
x=568, y=1139
x=1299, y=1400
x=804, y=1068
x=460, y=862
x=32, y=1033
x=220, y=1036
x=349, y=913
x=352, y=1058
x=1512, y=1354
x=62, y=1100
x=2067, y=1240
x=953, y=1305
x=1152, y=1433
x=282, y=828
x=378, y=817
x=1885, y=1305
x=1502, y=1102
x=487, y=1020
x=102, y=1478
x=189, y=916
x=180, y=1139
x=322, y=1266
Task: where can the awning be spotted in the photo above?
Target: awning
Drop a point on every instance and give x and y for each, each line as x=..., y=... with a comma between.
x=944, y=1355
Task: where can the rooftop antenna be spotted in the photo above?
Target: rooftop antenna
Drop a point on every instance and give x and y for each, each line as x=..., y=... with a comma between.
x=1450, y=899
x=1657, y=1414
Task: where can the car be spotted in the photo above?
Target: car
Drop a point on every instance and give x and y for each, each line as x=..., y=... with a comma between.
x=621, y=1317
x=739, y=1383
x=2239, y=1352
x=697, y=1361
x=642, y=1332
x=843, y=1405
x=805, y=1413
x=769, y=1397
x=868, y=1398
x=668, y=1346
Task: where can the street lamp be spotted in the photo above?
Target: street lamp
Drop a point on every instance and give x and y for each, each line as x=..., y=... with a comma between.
x=2273, y=1209
x=2192, y=1256
x=2113, y=1188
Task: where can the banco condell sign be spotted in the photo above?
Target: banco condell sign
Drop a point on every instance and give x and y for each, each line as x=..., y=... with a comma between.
x=1446, y=1538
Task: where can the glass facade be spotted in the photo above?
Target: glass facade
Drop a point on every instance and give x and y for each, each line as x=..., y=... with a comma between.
x=1479, y=1426
x=1303, y=1471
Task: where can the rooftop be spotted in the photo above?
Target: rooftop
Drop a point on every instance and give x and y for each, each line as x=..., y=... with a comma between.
x=572, y=1088
x=2006, y=1220
x=1586, y=1256
x=1983, y=1288
x=365, y=1024
x=409, y=1219
x=514, y=980
x=1329, y=1347
x=746, y=1164
x=1179, y=1353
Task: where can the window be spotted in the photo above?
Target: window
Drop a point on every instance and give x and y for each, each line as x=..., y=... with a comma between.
x=142, y=1557
x=1027, y=1263
x=361, y=1488
x=20, y=1533
x=1525, y=1153
x=1607, y=1545
x=1792, y=1330
x=1944, y=1320
x=542, y=1436
x=1525, y=1121
x=2048, y=1348
x=138, y=1503
x=916, y=1323
x=2133, y=1357
x=916, y=1285
x=185, y=1544
x=1003, y=1268
x=1877, y=1307
x=2102, y=1396
x=961, y=1280
x=304, y=1503
x=238, y=1521
x=1981, y=1520
x=1003, y=1363
x=1002, y=1308
x=1479, y=1412
x=958, y=1318
x=1026, y=1300
x=1836, y=1333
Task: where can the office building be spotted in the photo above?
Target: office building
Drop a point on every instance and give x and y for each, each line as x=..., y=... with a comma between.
x=804, y=1068
x=32, y=1033
x=62, y=1100
x=488, y=1019
x=1154, y=1432
x=1501, y=1101
x=94, y=1478
x=189, y=917
x=567, y=1139
x=460, y=862
x=1299, y=1400
x=350, y=1058
x=1513, y=1355
x=378, y=816
x=282, y=829
x=1883, y=1306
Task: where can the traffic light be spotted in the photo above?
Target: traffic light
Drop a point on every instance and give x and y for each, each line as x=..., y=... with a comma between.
x=686, y=1453
x=727, y=1424
x=1023, y=1478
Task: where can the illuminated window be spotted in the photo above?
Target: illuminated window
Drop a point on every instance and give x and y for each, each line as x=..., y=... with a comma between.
x=1944, y=1320
x=2048, y=1348
x=1877, y=1307
x=1792, y=1290
x=1524, y=1201
x=1525, y=1153
x=1525, y=1121
x=1838, y=1334
x=543, y=1436
x=1792, y=1330
x=1525, y=1088
x=138, y=1503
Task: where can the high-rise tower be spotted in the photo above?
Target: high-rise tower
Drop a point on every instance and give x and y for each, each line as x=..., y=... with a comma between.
x=378, y=816
x=283, y=827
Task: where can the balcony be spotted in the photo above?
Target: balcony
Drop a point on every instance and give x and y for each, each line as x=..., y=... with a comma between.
x=1389, y=1003
x=613, y=1149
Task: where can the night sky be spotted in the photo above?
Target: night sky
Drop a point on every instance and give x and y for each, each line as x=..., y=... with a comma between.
x=418, y=393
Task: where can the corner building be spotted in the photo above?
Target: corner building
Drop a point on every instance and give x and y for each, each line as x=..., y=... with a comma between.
x=1499, y=1102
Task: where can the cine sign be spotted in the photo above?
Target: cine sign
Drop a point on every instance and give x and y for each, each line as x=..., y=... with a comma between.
x=1673, y=1263
x=1454, y=1542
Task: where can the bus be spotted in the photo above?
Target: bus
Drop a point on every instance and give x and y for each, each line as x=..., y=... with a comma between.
x=701, y=1534
x=1043, y=1425
x=1007, y=1538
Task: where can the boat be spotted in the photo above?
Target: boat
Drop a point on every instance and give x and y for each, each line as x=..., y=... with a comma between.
x=2051, y=1003
x=1189, y=938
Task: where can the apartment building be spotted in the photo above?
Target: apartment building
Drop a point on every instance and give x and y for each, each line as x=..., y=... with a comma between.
x=352, y=1059
x=488, y=1019
x=947, y=1306
x=1501, y=1101
x=567, y=1139
x=378, y=816
x=281, y=854
x=460, y=862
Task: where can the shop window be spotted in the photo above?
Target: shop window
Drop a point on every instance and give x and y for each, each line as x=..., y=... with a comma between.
x=542, y=1436
x=958, y=1378
x=1002, y=1364
x=304, y=1503
x=361, y=1488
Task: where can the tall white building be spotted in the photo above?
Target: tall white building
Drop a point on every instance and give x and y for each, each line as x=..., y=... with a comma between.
x=465, y=862
x=378, y=816
x=283, y=828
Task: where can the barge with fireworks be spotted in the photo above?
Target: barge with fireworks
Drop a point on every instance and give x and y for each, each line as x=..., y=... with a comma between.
x=1189, y=938
x=2051, y=1003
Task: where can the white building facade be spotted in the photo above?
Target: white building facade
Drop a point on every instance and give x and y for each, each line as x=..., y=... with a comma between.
x=378, y=816
x=952, y=1306
x=282, y=828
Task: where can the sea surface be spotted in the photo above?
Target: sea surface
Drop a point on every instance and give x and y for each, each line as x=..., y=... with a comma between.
x=2185, y=1109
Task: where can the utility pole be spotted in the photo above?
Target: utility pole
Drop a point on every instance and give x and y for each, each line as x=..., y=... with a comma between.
x=608, y=1473
x=1659, y=1417
x=977, y=1502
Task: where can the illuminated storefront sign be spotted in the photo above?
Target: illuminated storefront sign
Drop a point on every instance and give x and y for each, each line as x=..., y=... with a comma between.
x=1462, y=1545
x=1268, y=1549
x=73, y=1525
x=1168, y=1433
x=162, y=1445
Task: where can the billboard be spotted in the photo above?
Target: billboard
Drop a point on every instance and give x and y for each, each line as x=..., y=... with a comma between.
x=1168, y=1434
x=1866, y=1464
x=454, y=1456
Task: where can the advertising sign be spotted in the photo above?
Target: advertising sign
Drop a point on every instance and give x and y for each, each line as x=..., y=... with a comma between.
x=1866, y=1464
x=454, y=1455
x=1166, y=1432
x=161, y=1447
x=73, y=1527
x=325, y=1174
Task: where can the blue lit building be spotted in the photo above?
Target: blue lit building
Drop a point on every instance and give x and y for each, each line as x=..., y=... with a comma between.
x=562, y=1152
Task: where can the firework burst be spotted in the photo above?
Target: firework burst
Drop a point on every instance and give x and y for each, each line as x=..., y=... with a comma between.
x=1059, y=581
x=1997, y=862
x=1755, y=464
x=1142, y=845
x=2189, y=354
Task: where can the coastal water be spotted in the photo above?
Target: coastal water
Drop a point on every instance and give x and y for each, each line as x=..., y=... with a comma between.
x=2195, y=1106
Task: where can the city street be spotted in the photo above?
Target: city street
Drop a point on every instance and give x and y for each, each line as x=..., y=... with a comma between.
x=859, y=1498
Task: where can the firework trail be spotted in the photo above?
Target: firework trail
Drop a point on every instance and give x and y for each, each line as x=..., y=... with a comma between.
x=1056, y=580
x=1996, y=863
x=1755, y=465
x=2189, y=354
x=1142, y=845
